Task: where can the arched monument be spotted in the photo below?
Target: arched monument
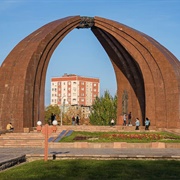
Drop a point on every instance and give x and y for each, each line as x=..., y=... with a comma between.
x=144, y=69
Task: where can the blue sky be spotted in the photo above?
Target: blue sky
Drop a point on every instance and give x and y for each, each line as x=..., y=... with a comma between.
x=80, y=52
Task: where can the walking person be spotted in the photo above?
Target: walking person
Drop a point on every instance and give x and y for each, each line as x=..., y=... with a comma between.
x=129, y=118
x=147, y=124
x=137, y=124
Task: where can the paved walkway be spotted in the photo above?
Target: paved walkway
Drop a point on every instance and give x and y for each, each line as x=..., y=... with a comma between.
x=12, y=156
x=9, y=153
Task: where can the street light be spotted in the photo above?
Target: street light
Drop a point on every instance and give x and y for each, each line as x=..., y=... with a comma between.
x=39, y=123
x=62, y=109
x=60, y=114
x=39, y=127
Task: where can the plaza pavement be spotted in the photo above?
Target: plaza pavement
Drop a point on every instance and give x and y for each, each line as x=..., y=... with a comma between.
x=12, y=156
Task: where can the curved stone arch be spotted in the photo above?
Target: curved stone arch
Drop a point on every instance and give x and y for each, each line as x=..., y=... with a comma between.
x=27, y=101
x=126, y=64
x=168, y=64
x=43, y=64
x=133, y=54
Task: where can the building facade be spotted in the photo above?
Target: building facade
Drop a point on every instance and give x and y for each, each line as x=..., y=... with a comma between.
x=74, y=90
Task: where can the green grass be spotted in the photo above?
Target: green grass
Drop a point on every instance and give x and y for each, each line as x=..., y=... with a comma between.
x=130, y=137
x=94, y=170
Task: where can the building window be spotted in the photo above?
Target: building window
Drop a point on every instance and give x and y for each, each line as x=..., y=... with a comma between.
x=82, y=100
x=74, y=82
x=94, y=84
x=82, y=89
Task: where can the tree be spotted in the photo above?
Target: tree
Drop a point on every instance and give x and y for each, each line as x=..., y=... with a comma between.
x=52, y=109
x=72, y=111
x=66, y=116
x=104, y=109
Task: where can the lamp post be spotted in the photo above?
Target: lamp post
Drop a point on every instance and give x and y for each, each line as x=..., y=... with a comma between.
x=62, y=109
x=60, y=115
x=39, y=127
x=62, y=106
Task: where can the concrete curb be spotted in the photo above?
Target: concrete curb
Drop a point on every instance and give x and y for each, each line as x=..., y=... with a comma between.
x=12, y=162
x=33, y=157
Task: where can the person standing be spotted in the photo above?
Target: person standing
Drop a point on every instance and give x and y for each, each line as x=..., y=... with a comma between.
x=137, y=124
x=52, y=118
x=129, y=118
x=112, y=122
x=124, y=119
x=73, y=120
x=77, y=119
x=147, y=124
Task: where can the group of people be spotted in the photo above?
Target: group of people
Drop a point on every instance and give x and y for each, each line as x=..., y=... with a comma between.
x=137, y=123
x=147, y=123
x=75, y=120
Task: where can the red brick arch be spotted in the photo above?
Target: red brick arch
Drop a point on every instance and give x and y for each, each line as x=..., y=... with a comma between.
x=144, y=68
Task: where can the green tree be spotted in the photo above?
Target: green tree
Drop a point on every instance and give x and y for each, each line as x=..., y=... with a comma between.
x=51, y=109
x=104, y=109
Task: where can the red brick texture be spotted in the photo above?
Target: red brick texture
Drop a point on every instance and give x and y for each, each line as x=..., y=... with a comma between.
x=143, y=67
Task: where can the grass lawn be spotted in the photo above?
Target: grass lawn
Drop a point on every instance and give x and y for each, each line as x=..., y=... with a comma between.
x=94, y=170
x=131, y=137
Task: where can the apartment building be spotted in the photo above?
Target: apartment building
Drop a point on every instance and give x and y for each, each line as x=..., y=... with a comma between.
x=74, y=90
